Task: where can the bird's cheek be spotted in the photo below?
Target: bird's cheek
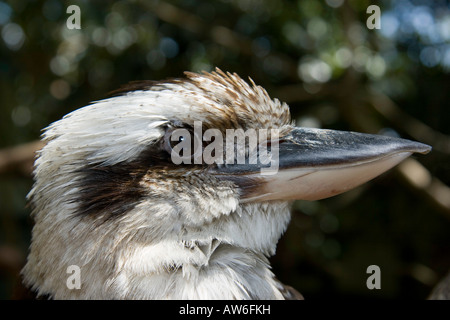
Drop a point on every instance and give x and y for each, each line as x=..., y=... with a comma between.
x=200, y=199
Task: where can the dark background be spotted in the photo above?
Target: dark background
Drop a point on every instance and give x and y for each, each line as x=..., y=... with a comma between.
x=318, y=56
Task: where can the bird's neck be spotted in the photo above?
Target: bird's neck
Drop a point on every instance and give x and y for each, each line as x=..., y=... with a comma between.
x=225, y=259
x=176, y=270
x=211, y=270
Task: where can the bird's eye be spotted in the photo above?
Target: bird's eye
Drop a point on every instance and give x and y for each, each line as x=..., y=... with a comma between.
x=176, y=136
x=177, y=141
x=182, y=144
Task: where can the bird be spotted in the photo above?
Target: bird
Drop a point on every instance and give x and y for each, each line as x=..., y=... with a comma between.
x=110, y=199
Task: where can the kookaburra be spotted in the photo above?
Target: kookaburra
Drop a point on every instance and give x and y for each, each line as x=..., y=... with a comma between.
x=109, y=198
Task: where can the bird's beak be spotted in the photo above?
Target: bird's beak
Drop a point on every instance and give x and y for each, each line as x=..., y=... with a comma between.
x=314, y=164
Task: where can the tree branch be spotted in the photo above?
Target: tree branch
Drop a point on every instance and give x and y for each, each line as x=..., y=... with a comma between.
x=19, y=158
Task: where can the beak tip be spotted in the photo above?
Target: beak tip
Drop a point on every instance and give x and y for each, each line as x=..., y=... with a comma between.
x=417, y=147
x=425, y=149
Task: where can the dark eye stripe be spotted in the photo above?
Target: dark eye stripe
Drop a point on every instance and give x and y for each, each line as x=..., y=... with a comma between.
x=110, y=191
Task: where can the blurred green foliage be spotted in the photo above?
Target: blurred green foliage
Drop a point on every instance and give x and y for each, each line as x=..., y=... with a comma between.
x=319, y=56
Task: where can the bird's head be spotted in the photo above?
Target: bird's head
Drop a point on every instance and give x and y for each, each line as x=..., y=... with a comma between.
x=116, y=195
